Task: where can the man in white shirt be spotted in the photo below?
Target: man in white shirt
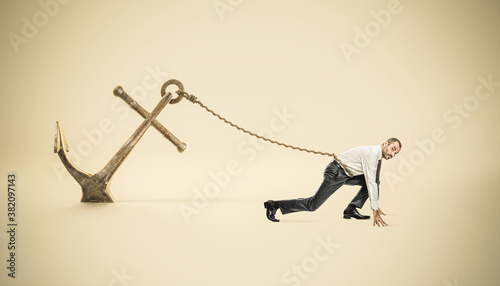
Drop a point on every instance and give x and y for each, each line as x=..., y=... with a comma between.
x=364, y=165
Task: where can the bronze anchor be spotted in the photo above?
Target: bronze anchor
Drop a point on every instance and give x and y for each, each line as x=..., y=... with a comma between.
x=95, y=188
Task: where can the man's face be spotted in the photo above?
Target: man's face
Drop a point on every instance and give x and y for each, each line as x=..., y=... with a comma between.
x=390, y=150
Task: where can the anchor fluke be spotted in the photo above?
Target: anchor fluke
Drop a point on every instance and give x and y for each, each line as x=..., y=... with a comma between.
x=94, y=187
x=60, y=140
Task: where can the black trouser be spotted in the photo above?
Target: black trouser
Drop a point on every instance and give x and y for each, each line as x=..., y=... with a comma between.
x=334, y=177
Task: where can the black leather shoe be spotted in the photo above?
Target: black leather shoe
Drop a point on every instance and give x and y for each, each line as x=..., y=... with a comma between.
x=353, y=213
x=271, y=208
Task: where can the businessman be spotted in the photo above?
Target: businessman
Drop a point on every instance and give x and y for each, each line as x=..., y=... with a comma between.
x=364, y=164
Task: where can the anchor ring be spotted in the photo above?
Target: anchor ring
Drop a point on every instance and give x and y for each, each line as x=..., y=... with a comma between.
x=178, y=84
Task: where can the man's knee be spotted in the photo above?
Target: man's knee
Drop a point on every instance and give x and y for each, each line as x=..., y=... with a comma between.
x=314, y=205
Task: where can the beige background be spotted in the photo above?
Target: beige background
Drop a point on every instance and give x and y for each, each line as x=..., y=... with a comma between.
x=247, y=62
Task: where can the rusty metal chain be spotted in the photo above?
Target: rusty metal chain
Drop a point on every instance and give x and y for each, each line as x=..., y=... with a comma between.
x=194, y=99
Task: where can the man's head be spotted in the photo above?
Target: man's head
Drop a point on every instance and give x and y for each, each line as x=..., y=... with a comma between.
x=390, y=148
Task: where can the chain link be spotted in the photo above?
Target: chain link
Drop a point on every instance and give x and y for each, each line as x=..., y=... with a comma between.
x=195, y=100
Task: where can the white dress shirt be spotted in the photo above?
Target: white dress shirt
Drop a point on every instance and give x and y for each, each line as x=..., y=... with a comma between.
x=364, y=160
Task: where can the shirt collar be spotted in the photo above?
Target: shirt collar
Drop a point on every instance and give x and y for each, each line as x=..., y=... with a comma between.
x=379, y=152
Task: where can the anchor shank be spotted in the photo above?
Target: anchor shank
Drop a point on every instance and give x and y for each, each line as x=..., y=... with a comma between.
x=108, y=171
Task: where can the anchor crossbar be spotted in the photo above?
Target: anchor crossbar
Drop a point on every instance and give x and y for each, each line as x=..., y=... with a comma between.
x=181, y=146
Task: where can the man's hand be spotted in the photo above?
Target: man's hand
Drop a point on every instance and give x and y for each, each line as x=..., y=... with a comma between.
x=377, y=219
